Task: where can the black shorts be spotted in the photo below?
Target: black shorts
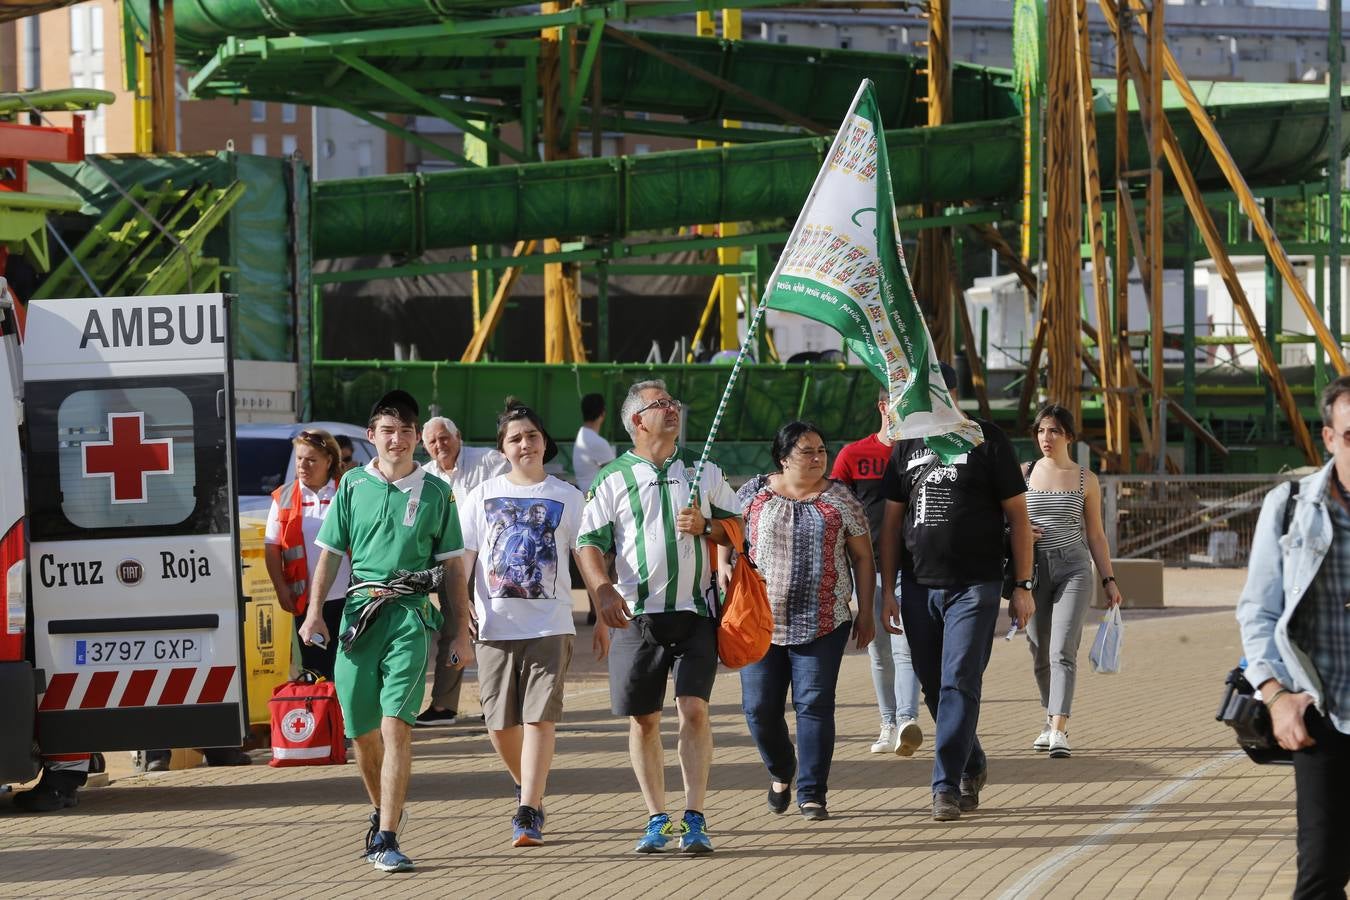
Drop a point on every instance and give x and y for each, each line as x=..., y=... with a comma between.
x=642, y=655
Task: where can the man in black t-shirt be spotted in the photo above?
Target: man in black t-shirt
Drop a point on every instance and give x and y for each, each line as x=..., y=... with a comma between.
x=943, y=529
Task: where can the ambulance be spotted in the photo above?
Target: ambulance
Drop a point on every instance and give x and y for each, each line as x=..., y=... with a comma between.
x=121, y=585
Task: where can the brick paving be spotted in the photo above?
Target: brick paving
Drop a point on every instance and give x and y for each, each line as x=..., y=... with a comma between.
x=1156, y=802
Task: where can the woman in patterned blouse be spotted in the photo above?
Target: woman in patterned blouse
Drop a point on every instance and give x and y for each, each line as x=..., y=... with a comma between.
x=808, y=535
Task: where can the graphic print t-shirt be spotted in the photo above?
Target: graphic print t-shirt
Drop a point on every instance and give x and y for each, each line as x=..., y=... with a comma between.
x=953, y=529
x=861, y=465
x=522, y=587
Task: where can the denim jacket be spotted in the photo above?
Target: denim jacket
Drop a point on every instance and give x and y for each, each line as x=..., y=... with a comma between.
x=1279, y=572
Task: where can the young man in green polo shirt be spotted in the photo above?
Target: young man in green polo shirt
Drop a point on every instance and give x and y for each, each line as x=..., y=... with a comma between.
x=390, y=516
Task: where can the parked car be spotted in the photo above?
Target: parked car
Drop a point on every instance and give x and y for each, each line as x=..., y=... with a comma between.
x=267, y=457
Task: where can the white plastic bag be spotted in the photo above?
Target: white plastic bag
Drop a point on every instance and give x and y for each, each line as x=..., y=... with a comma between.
x=1105, y=655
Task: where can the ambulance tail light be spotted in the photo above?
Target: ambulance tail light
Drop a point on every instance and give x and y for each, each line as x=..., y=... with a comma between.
x=14, y=581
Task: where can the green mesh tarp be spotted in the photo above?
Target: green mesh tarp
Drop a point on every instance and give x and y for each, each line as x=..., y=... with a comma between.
x=263, y=244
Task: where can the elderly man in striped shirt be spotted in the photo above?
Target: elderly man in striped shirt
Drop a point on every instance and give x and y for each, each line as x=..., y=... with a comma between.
x=660, y=607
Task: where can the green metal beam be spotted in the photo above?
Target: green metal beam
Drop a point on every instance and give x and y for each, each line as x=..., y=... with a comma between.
x=431, y=105
x=573, y=100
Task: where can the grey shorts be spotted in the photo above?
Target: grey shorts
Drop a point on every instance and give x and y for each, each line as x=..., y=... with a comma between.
x=642, y=656
x=521, y=682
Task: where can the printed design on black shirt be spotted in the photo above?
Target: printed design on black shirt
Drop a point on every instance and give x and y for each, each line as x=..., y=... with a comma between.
x=522, y=552
x=936, y=487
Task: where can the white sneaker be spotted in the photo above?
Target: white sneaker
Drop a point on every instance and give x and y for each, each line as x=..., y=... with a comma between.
x=1042, y=742
x=908, y=737
x=885, y=743
x=1059, y=745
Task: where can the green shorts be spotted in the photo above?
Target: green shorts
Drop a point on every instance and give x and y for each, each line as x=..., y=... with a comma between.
x=385, y=672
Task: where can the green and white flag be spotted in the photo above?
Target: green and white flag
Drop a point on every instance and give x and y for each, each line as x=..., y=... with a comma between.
x=844, y=266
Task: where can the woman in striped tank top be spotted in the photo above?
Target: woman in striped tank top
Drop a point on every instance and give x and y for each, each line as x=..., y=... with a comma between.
x=1064, y=503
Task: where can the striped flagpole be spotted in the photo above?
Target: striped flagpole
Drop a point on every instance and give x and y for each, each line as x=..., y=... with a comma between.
x=764, y=295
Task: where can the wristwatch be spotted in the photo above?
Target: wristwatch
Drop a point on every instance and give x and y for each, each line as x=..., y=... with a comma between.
x=1025, y=584
x=707, y=527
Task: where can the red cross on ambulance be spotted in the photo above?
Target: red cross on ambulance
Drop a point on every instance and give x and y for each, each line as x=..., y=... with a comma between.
x=127, y=459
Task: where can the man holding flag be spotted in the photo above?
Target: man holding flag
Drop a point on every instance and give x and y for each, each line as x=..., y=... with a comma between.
x=951, y=481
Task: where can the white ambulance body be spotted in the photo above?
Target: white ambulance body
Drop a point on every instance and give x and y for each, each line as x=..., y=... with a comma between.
x=133, y=551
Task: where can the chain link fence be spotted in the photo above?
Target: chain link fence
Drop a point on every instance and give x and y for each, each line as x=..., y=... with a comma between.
x=1184, y=520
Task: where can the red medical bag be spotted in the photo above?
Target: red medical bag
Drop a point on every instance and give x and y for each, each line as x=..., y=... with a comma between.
x=306, y=725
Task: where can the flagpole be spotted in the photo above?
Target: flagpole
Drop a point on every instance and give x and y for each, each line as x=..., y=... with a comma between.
x=763, y=305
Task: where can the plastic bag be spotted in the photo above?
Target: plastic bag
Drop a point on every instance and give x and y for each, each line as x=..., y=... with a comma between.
x=1105, y=655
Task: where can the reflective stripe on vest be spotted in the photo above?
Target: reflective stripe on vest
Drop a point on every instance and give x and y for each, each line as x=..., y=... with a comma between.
x=294, y=562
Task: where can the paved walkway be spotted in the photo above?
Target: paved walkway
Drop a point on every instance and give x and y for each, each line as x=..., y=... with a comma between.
x=1155, y=802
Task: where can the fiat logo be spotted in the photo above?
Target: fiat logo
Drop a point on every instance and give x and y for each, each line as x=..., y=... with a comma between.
x=130, y=572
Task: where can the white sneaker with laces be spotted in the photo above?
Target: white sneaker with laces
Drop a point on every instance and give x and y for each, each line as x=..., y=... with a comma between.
x=1059, y=745
x=1042, y=742
x=886, y=742
x=908, y=737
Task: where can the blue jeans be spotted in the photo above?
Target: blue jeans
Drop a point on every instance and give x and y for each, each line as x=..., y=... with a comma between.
x=951, y=633
x=812, y=671
x=892, y=672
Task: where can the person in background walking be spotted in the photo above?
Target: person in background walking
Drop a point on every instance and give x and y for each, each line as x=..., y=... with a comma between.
x=944, y=528
x=463, y=468
x=808, y=536
x=298, y=509
x=591, y=452
x=1064, y=503
x=860, y=466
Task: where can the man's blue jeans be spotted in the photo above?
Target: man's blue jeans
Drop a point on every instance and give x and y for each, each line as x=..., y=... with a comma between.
x=951, y=633
x=812, y=671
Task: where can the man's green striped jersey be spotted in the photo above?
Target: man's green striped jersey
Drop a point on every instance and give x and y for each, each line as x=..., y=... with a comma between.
x=631, y=510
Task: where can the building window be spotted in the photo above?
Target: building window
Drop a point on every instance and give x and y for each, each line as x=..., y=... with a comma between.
x=364, y=159
x=288, y=113
x=258, y=146
x=892, y=45
x=257, y=111
x=845, y=43
x=86, y=70
x=782, y=38
x=287, y=145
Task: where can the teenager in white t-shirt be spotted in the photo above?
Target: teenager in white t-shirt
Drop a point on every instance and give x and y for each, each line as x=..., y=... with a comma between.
x=518, y=529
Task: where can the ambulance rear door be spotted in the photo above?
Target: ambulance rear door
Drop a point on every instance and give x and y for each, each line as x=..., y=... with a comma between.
x=134, y=553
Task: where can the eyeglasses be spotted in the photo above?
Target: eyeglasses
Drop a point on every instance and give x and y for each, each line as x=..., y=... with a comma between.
x=663, y=403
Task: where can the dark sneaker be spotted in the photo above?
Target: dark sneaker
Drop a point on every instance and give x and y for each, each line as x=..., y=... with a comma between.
x=527, y=828
x=46, y=796
x=432, y=718
x=373, y=832
x=385, y=856
x=227, y=756
x=539, y=811
x=694, y=834
x=814, y=812
x=970, y=790
x=656, y=837
x=946, y=807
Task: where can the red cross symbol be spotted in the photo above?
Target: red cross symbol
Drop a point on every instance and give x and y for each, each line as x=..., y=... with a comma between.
x=298, y=724
x=128, y=459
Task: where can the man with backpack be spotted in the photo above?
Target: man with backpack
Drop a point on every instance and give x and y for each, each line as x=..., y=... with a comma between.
x=1295, y=625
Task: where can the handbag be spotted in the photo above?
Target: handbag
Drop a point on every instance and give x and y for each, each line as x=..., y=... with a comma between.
x=745, y=622
x=1250, y=720
x=307, y=727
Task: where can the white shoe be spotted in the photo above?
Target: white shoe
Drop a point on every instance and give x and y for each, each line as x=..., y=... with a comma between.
x=885, y=743
x=1042, y=742
x=1059, y=745
x=908, y=737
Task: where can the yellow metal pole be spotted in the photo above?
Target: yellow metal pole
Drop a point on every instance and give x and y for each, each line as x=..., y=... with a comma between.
x=726, y=287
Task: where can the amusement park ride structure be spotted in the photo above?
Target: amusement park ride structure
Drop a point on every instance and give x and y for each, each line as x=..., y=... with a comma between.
x=1127, y=161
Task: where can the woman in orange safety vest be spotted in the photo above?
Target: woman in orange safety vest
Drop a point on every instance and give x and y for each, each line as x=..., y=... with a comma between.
x=298, y=508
